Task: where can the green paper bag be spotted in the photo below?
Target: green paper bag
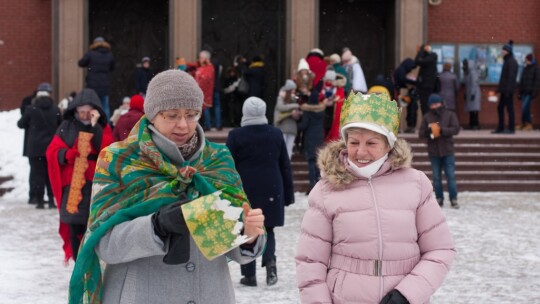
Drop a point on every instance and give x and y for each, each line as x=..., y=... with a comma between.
x=214, y=224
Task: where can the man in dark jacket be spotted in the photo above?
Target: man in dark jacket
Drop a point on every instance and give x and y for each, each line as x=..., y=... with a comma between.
x=507, y=86
x=84, y=115
x=528, y=90
x=27, y=101
x=99, y=61
x=255, y=76
x=143, y=75
x=40, y=120
x=427, y=76
x=438, y=127
x=407, y=92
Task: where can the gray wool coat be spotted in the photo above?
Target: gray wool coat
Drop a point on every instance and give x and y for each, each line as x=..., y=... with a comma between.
x=473, y=95
x=134, y=269
x=449, y=89
x=288, y=124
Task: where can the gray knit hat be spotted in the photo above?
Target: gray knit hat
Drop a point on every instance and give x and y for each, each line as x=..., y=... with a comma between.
x=253, y=112
x=172, y=89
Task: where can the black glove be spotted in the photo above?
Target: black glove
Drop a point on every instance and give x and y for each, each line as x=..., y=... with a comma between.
x=170, y=225
x=394, y=297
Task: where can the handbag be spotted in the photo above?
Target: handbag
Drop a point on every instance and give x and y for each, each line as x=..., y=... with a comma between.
x=243, y=86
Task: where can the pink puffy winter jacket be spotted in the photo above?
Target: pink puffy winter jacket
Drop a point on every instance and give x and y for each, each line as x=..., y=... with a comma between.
x=362, y=238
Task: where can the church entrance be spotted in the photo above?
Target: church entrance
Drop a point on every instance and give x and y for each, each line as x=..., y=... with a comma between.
x=135, y=29
x=367, y=27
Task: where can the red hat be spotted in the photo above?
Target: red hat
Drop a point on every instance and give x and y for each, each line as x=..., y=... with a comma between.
x=137, y=102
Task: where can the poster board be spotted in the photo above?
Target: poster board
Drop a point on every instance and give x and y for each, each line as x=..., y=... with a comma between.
x=486, y=57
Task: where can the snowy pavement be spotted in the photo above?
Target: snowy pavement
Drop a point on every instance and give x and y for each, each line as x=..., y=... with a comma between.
x=496, y=234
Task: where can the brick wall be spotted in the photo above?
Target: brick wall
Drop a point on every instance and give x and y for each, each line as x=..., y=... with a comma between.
x=25, y=49
x=494, y=21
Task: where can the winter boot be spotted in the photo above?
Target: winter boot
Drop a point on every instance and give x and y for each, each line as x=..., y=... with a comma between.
x=271, y=273
x=40, y=204
x=440, y=201
x=52, y=205
x=249, y=281
x=527, y=127
x=454, y=204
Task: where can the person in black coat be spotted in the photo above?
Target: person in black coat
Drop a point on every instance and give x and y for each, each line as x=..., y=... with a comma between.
x=261, y=158
x=255, y=77
x=27, y=100
x=143, y=75
x=427, y=76
x=407, y=91
x=507, y=86
x=99, y=61
x=40, y=120
x=529, y=87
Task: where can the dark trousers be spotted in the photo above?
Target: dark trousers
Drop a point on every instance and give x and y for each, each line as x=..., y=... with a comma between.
x=412, y=109
x=314, y=173
x=76, y=233
x=39, y=178
x=473, y=120
x=424, y=97
x=269, y=254
x=507, y=101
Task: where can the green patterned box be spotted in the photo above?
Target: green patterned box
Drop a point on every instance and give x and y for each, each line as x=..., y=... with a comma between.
x=214, y=224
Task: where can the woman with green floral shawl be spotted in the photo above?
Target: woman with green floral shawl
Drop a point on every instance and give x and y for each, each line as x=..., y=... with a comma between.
x=137, y=248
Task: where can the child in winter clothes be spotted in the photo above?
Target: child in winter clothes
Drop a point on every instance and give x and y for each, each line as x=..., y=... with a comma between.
x=332, y=96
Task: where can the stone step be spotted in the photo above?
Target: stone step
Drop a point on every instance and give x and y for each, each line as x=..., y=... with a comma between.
x=484, y=148
x=465, y=185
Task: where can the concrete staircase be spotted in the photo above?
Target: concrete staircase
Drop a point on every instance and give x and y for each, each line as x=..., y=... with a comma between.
x=484, y=161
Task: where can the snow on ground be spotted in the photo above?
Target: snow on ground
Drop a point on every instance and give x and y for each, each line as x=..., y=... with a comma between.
x=496, y=235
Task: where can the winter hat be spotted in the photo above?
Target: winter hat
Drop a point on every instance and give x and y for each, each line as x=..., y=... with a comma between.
x=289, y=85
x=434, y=98
x=303, y=65
x=375, y=112
x=330, y=75
x=509, y=46
x=145, y=59
x=529, y=57
x=44, y=86
x=99, y=39
x=317, y=50
x=253, y=112
x=172, y=89
x=137, y=102
x=126, y=99
x=334, y=58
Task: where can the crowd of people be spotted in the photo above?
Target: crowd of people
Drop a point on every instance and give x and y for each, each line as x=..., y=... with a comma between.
x=120, y=180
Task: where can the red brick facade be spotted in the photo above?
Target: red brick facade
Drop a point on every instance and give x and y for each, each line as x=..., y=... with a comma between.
x=494, y=21
x=25, y=48
x=26, y=41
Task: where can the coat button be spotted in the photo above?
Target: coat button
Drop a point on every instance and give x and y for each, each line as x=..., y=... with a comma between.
x=190, y=267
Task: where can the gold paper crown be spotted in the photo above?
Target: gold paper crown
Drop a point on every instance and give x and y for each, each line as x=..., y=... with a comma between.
x=376, y=109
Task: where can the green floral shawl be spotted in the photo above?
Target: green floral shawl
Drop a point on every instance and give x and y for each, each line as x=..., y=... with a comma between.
x=132, y=179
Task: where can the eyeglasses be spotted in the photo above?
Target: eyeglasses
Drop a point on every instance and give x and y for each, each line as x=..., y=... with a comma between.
x=174, y=117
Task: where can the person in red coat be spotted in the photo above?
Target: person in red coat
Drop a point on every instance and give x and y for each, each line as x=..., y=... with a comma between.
x=84, y=114
x=126, y=122
x=317, y=65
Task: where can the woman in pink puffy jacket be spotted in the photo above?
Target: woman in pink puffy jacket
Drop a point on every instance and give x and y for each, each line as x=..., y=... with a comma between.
x=373, y=232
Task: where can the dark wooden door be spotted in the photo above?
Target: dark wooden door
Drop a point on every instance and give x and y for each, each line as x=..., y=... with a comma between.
x=367, y=27
x=248, y=27
x=134, y=29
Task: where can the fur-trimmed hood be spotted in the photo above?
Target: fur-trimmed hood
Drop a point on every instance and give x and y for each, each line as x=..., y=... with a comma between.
x=334, y=168
x=100, y=44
